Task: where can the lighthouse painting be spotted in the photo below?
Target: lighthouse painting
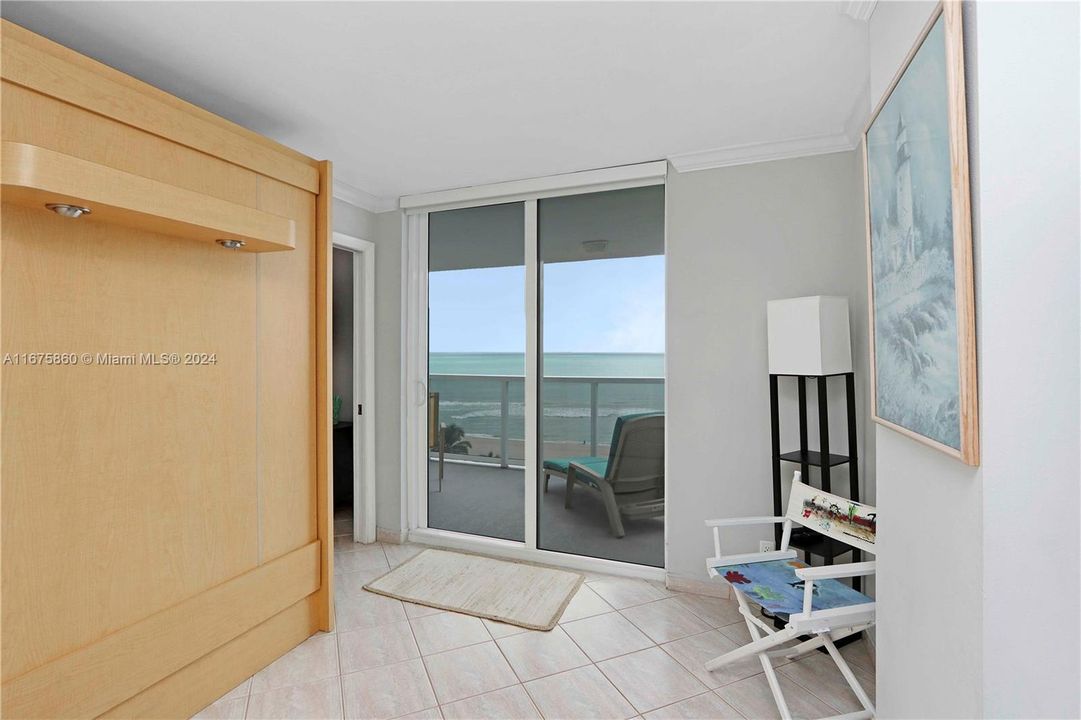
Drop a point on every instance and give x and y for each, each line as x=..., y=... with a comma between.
x=920, y=264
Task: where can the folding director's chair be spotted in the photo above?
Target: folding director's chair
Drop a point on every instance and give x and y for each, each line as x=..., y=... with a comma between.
x=815, y=602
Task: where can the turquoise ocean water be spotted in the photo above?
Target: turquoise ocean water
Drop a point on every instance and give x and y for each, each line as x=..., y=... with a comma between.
x=475, y=403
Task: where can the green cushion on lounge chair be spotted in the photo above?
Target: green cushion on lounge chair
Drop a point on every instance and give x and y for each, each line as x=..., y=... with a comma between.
x=595, y=465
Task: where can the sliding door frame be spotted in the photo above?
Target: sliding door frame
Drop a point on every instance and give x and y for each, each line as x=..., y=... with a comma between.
x=415, y=357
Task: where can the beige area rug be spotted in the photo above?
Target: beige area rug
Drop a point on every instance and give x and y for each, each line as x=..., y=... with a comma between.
x=529, y=596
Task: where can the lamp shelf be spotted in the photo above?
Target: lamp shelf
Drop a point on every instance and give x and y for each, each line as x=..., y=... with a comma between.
x=35, y=176
x=813, y=458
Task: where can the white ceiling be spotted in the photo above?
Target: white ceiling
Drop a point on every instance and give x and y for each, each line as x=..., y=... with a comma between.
x=414, y=97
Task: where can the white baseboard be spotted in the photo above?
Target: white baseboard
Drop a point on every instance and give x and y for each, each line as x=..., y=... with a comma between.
x=394, y=537
x=713, y=588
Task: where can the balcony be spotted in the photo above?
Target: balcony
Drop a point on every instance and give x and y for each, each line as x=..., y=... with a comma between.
x=482, y=486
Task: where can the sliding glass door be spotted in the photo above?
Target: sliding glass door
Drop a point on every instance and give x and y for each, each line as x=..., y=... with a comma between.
x=539, y=417
x=476, y=369
x=602, y=375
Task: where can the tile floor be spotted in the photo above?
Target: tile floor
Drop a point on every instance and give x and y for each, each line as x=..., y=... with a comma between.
x=624, y=649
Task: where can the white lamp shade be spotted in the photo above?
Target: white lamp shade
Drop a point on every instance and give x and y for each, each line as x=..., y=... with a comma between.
x=809, y=336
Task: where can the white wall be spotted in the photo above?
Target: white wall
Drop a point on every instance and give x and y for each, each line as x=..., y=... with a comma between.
x=738, y=237
x=384, y=229
x=970, y=647
x=1028, y=71
x=928, y=644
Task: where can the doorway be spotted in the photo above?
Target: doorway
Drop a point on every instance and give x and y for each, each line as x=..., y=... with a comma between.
x=353, y=351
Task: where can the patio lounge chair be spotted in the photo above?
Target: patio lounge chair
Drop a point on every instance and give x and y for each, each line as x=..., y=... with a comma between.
x=630, y=480
x=813, y=600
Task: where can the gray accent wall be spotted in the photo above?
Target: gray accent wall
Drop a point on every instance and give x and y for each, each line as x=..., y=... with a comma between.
x=737, y=238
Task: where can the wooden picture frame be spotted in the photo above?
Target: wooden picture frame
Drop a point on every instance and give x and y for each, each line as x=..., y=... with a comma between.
x=918, y=224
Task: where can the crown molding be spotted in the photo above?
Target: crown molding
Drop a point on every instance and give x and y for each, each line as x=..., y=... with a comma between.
x=859, y=9
x=363, y=199
x=762, y=152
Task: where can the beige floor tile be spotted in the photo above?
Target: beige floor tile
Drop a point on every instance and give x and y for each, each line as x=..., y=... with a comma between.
x=352, y=583
x=715, y=611
x=738, y=632
x=429, y=714
x=585, y=603
x=706, y=706
x=413, y=610
x=468, y=671
x=367, y=610
x=819, y=674
x=624, y=592
x=224, y=709
x=362, y=557
x=343, y=526
x=387, y=692
x=502, y=630
x=605, y=636
x=397, y=554
x=665, y=620
x=447, y=631
x=315, y=701
x=650, y=679
x=314, y=659
x=860, y=653
x=536, y=654
x=375, y=646
x=659, y=584
x=693, y=652
x=345, y=543
x=511, y=703
x=580, y=694
x=752, y=698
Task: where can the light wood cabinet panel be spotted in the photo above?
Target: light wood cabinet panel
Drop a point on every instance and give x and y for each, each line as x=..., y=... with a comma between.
x=36, y=119
x=165, y=525
x=35, y=176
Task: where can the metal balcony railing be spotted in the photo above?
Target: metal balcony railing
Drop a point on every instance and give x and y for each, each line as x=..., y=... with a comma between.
x=504, y=382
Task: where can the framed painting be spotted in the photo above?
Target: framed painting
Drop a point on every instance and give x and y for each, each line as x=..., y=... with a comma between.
x=919, y=244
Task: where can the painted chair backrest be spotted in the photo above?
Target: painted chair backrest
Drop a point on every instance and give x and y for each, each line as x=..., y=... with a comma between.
x=834, y=516
x=637, y=452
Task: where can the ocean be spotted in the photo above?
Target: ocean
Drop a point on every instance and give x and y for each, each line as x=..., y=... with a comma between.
x=624, y=383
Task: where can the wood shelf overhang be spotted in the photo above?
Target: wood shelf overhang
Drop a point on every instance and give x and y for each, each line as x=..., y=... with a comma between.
x=34, y=176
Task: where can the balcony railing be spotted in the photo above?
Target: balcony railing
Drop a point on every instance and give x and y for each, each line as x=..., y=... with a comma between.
x=439, y=382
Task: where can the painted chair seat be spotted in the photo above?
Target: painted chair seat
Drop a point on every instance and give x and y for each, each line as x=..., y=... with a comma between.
x=775, y=586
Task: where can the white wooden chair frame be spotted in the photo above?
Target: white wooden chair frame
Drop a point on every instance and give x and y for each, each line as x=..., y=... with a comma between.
x=828, y=626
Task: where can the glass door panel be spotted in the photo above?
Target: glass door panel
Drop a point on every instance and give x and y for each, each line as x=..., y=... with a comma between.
x=602, y=375
x=476, y=371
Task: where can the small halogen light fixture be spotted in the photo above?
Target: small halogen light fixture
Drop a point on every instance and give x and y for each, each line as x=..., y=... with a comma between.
x=231, y=244
x=68, y=211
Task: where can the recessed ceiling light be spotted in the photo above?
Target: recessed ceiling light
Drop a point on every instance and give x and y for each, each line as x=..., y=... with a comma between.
x=68, y=211
x=595, y=246
x=231, y=244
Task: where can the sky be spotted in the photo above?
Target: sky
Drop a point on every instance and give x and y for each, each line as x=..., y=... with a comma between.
x=608, y=305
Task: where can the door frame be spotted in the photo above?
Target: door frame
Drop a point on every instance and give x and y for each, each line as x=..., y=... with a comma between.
x=364, y=519
x=414, y=387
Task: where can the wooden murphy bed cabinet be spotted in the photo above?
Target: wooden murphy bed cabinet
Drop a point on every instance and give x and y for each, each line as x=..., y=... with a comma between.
x=166, y=519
